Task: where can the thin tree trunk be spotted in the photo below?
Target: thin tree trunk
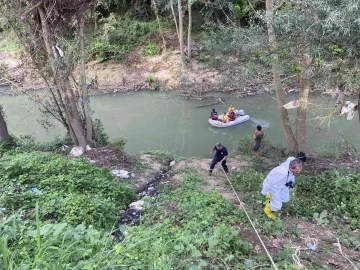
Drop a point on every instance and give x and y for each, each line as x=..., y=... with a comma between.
x=181, y=35
x=189, y=29
x=84, y=94
x=71, y=111
x=175, y=20
x=161, y=31
x=4, y=133
x=303, y=100
x=290, y=138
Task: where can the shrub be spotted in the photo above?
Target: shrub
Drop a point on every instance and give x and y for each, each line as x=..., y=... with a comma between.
x=116, y=36
x=336, y=193
x=119, y=144
x=245, y=145
x=72, y=191
x=150, y=49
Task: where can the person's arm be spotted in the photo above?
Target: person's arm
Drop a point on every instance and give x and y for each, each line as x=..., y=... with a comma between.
x=212, y=151
x=255, y=134
x=225, y=154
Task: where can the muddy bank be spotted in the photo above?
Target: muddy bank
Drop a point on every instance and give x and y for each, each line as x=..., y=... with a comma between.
x=135, y=73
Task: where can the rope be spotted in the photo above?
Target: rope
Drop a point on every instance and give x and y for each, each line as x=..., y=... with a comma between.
x=252, y=224
x=345, y=256
x=296, y=257
x=309, y=242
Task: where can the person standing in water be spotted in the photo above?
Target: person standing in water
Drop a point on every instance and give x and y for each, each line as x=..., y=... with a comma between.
x=258, y=136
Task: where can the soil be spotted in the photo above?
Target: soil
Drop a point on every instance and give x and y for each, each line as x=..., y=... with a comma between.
x=134, y=72
x=327, y=252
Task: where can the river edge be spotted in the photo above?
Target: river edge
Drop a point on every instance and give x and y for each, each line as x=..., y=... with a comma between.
x=139, y=73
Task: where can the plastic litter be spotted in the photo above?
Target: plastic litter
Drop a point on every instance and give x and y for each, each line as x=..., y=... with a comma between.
x=312, y=247
x=35, y=191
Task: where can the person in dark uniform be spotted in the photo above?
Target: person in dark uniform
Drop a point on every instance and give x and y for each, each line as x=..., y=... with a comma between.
x=220, y=156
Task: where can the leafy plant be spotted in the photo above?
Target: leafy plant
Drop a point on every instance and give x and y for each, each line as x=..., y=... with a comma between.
x=72, y=191
x=150, y=49
x=119, y=144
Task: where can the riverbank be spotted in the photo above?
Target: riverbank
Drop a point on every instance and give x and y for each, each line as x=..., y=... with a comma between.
x=136, y=72
x=185, y=218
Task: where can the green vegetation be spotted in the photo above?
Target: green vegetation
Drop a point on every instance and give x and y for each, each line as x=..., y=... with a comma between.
x=119, y=144
x=245, y=144
x=165, y=157
x=330, y=199
x=119, y=35
x=72, y=191
x=190, y=229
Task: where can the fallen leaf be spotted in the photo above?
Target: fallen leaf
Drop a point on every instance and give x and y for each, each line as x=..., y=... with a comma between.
x=336, y=244
x=276, y=242
x=257, y=248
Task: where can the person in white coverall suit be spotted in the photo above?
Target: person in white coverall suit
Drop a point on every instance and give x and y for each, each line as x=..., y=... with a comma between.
x=277, y=183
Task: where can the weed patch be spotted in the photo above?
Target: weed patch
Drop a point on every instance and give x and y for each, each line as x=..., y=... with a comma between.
x=72, y=191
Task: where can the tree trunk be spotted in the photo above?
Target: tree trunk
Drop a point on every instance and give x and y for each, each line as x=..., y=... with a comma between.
x=4, y=133
x=181, y=35
x=175, y=20
x=84, y=94
x=158, y=21
x=71, y=111
x=303, y=100
x=189, y=29
x=290, y=138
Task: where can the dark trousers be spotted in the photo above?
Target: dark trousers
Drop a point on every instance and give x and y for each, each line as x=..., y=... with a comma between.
x=223, y=164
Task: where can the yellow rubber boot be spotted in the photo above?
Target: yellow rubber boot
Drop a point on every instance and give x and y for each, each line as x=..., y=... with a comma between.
x=267, y=209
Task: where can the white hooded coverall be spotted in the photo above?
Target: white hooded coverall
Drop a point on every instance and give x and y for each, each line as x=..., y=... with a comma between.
x=274, y=183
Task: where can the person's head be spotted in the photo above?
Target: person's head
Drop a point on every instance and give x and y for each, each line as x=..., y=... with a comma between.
x=296, y=166
x=231, y=105
x=218, y=146
x=259, y=128
x=213, y=110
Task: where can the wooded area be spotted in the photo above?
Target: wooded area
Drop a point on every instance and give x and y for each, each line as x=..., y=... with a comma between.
x=315, y=43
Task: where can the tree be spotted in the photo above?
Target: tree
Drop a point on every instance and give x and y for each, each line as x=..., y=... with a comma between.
x=276, y=78
x=181, y=35
x=190, y=2
x=48, y=25
x=314, y=29
x=4, y=133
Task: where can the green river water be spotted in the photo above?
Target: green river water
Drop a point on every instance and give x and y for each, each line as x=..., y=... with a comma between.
x=165, y=121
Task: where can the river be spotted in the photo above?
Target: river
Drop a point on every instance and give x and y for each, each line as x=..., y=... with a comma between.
x=165, y=121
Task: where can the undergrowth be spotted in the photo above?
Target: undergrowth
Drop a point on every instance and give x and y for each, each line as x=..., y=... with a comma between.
x=116, y=36
x=72, y=191
x=329, y=199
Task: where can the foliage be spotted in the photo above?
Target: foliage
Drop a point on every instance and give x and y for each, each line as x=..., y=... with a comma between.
x=198, y=225
x=28, y=143
x=151, y=49
x=118, y=35
x=246, y=143
x=207, y=239
x=332, y=196
x=340, y=146
x=100, y=135
x=72, y=191
x=119, y=144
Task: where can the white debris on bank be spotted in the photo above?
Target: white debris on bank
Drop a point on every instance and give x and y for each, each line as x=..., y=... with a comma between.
x=77, y=151
x=292, y=105
x=121, y=173
x=349, y=108
x=138, y=205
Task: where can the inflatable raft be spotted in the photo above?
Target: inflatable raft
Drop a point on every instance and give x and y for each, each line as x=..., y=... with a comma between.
x=240, y=118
